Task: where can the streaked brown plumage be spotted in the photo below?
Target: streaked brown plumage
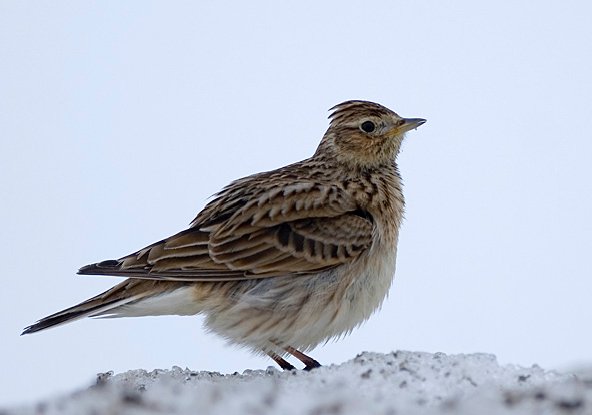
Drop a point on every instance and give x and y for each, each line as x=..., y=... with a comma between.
x=283, y=260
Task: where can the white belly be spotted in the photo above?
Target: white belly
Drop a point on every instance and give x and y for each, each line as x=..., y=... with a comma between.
x=304, y=311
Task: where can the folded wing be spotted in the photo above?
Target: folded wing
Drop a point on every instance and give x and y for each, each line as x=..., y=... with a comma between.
x=283, y=229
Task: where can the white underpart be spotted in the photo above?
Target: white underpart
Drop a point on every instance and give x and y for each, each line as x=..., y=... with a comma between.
x=315, y=321
x=178, y=302
x=365, y=296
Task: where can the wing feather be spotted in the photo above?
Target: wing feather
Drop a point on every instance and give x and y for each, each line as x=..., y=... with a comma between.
x=256, y=232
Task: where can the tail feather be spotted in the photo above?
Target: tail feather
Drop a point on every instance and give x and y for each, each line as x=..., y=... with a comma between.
x=130, y=298
x=72, y=314
x=100, y=304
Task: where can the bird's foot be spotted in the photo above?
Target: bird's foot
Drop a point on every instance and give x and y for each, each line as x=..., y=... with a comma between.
x=309, y=362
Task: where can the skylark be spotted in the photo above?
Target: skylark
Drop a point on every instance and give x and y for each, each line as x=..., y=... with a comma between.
x=279, y=261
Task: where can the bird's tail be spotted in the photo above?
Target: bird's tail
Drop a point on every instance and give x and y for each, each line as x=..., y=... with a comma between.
x=132, y=297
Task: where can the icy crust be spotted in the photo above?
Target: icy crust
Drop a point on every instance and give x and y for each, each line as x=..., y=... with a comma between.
x=396, y=383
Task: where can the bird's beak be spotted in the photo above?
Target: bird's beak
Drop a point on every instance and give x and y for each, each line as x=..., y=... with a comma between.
x=410, y=124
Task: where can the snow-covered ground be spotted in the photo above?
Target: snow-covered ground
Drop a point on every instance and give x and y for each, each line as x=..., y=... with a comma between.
x=396, y=383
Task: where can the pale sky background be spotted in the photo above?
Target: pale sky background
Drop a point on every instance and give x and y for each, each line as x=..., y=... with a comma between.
x=119, y=119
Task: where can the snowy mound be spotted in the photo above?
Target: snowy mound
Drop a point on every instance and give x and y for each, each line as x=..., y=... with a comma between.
x=397, y=383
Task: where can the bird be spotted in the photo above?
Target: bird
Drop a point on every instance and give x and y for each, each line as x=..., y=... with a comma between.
x=279, y=261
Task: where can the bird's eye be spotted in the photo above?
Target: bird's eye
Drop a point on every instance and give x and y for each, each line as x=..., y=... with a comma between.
x=368, y=126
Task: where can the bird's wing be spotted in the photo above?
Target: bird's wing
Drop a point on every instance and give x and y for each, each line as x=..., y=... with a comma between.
x=299, y=228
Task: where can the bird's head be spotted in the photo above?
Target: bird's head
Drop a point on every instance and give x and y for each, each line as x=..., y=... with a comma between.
x=364, y=134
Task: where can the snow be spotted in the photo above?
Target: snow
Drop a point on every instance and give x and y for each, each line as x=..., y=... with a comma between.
x=371, y=383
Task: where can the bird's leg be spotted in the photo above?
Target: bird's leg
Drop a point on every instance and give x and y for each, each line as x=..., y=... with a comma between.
x=308, y=361
x=284, y=364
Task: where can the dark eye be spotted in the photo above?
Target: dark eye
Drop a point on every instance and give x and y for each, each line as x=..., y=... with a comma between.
x=368, y=126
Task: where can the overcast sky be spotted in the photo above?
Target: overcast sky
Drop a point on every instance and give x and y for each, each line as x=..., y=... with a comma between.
x=119, y=119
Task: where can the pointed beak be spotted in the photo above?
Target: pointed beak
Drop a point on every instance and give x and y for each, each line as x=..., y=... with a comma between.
x=410, y=124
